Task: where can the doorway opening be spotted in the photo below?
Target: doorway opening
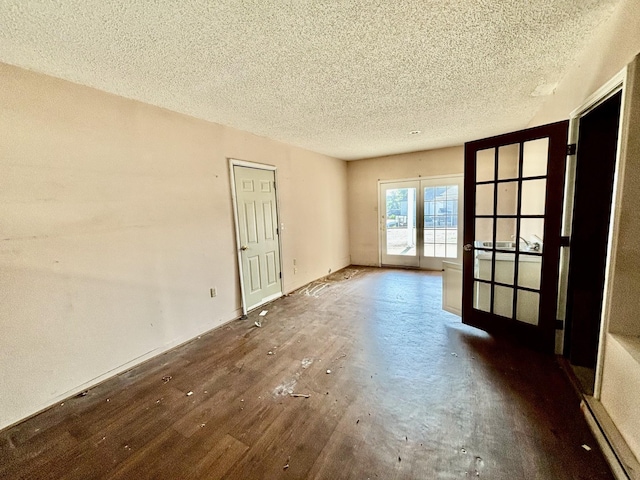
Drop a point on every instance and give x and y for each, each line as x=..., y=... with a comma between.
x=595, y=168
x=420, y=222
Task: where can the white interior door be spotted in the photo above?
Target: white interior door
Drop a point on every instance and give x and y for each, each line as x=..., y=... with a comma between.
x=257, y=228
x=420, y=223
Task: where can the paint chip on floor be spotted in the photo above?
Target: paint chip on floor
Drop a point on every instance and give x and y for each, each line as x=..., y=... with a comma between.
x=263, y=313
x=586, y=447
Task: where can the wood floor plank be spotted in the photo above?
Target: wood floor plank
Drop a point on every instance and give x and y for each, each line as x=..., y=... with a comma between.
x=412, y=394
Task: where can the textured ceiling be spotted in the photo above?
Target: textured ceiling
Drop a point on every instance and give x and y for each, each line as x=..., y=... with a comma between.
x=349, y=79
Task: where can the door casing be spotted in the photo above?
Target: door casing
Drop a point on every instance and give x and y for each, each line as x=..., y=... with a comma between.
x=616, y=84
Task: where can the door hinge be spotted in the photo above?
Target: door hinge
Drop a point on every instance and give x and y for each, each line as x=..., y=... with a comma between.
x=571, y=149
x=280, y=274
x=277, y=231
x=565, y=241
x=274, y=184
x=559, y=324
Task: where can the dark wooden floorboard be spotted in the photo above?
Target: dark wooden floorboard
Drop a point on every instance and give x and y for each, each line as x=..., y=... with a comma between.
x=412, y=394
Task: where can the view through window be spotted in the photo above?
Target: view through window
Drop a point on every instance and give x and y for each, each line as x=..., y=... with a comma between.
x=441, y=221
x=421, y=219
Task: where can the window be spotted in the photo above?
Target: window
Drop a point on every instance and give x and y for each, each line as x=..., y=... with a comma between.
x=441, y=221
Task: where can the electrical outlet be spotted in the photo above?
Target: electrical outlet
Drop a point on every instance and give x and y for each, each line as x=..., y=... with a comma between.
x=214, y=292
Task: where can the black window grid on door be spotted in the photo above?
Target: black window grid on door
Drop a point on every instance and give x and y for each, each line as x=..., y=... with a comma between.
x=517, y=218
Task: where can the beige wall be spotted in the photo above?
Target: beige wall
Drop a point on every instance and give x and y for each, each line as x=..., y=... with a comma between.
x=613, y=46
x=363, y=178
x=116, y=219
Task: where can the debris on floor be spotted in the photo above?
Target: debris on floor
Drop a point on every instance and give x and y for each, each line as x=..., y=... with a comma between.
x=270, y=353
x=285, y=388
x=454, y=354
x=82, y=394
x=189, y=393
x=287, y=464
x=258, y=323
x=313, y=289
x=350, y=273
x=263, y=313
x=586, y=447
x=303, y=395
x=166, y=378
x=328, y=371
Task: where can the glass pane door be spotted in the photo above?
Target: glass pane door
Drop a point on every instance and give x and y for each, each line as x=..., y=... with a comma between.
x=510, y=230
x=441, y=216
x=419, y=222
x=513, y=187
x=399, y=223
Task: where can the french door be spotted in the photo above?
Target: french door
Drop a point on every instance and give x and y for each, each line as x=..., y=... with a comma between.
x=512, y=220
x=420, y=222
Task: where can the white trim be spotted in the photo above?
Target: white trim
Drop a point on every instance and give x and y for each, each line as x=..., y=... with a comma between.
x=245, y=163
x=128, y=365
x=602, y=94
x=615, y=449
x=420, y=177
x=259, y=166
x=614, y=231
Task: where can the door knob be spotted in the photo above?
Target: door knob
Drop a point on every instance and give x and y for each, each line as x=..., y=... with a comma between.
x=243, y=248
x=468, y=247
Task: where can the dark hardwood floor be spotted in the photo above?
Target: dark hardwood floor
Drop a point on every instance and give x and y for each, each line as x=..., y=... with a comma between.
x=412, y=394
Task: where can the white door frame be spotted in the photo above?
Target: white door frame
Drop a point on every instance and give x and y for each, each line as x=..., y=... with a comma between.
x=382, y=218
x=419, y=198
x=613, y=86
x=260, y=166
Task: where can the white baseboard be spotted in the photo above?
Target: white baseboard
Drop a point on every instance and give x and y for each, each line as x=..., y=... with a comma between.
x=621, y=459
x=120, y=369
